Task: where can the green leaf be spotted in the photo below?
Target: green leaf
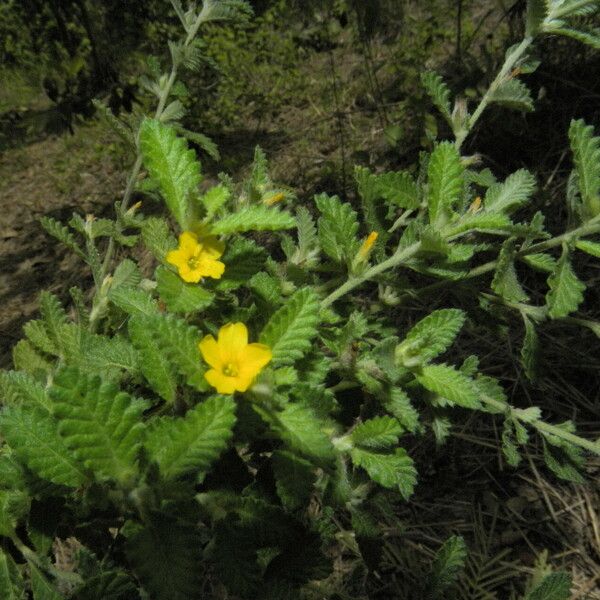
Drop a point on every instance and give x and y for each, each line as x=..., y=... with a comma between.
x=450, y=384
x=201, y=140
x=127, y=274
x=108, y=585
x=394, y=470
x=11, y=582
x=41, y=587
x=101, y=425
x=431, y=336
x=529, y=350
x=193, y=443
x=379, y=432
x=591, y=38
x=158, y=372
x=481, y=221
x=513, y=93
x=213, y=199
x=540, y=262
x=172, y=165
x=33, y=435
x=399, y=405
x=566, y=290
x=26, y=358
x=294, y=479
x=301, y=429
x=446, y=182
x=254, y=218
x=398, y=188
x=157, y=237
x=592, y=248
x=556, y=586
x=338, y=228
x=166, y=556
x=513, y=192
x=439, y=92
x=21, y=388
x=62, y=234
x=133, y=301
x=449, y=561
x=307, y=232
x=225, y=10
x=536, y=13
x=586, y=156
x=243, y=258
x=178, y=343
x=14, y=505
x=180, y=296
x=505, y=282
x=290, y=330
x=53, y=317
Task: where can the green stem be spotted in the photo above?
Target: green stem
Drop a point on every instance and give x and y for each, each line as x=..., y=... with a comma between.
x=505, y=71
x=400, y=256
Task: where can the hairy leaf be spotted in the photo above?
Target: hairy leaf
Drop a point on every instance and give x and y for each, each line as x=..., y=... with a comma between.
x=101, y=425
x=449, y=561
x=172, y=165
x=378, y=433
x=566, y=290
x=180, y=296
x=513, y=93
x=11, y=582
x=192, y=443
x=338, y=228
x=439, y=92
x=290, y=330
x=254, y=218
x=445, y=179
x=513, y=192
x=505, y=282
x=450, y=384
x=586, y=155
x=294, y=478
x=556, y=586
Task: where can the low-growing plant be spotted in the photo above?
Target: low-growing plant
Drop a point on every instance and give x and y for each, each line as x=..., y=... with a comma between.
x=217, y=427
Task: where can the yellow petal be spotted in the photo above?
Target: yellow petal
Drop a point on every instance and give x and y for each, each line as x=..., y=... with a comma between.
x=188, y=242
x=189, y=275
x=212, y=268
x=176, y=258
x=253, y=358
x=242, y=383
x=212, y=246
x=222, y=383
x=233, y=338
x=210, y=352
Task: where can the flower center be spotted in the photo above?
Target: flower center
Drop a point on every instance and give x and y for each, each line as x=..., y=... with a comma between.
x=193, y=262
x=230, y=370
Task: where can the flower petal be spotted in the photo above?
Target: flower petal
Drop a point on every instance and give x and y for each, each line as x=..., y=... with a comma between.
x=176, y=258
x=233, y=338
x=210, y=351
x=242, y=383
x=188, y=242
x=222, y=383
x=212, y=246
x=189, y=275
x=212, y=268
x=253, y=358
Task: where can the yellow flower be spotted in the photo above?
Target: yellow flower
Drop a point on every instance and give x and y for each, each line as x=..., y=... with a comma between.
x=235, y=363
x=195, y=258
x=367, y=245
x=274, y=199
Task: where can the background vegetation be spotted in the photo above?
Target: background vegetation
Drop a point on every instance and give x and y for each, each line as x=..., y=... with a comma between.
x=323, y=86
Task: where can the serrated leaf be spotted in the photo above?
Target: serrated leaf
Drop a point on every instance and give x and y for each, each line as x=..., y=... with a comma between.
x=158, y=372
x=505, y=282
x=180, y=296
x=450, y=384
x=586, y=156
x=201, y=140
x=62, y=234
x=589, y=247
x=513, y=192
x=398, y=187
x=25, y=358
x=100, y=424
x=133, y=301
x=536, y=13
x=391, y=471
x=432, y=335
x=449, y=561
x=157, y=237
x=21, y=388
x=11, y=582
x=254, y=218
x=509, y=444
x=540, y=262
x=14, y=505
x=307, y=231
x=529, y=349
x=172, y=165
x=379, y=432
x=243, y=258
x=42, y=589
x=33, y=435
x=338, y=228
x=439, y=92
x=445, y=181
x=398, y=404
x=127, y=274
x=35, y=331
x=294, y=478
x=178, y=343
x=556, y=586
x=301, y=429
x=191, y=444
x=481, y=221
x=513, y=93
x=108, y=585
x=290, y=330
x=166, y=556
x=214, y=198
x=591, y=38
x=566, y=290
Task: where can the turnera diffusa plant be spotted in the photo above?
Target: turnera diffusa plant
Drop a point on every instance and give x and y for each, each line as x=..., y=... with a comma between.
x=184, y=459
